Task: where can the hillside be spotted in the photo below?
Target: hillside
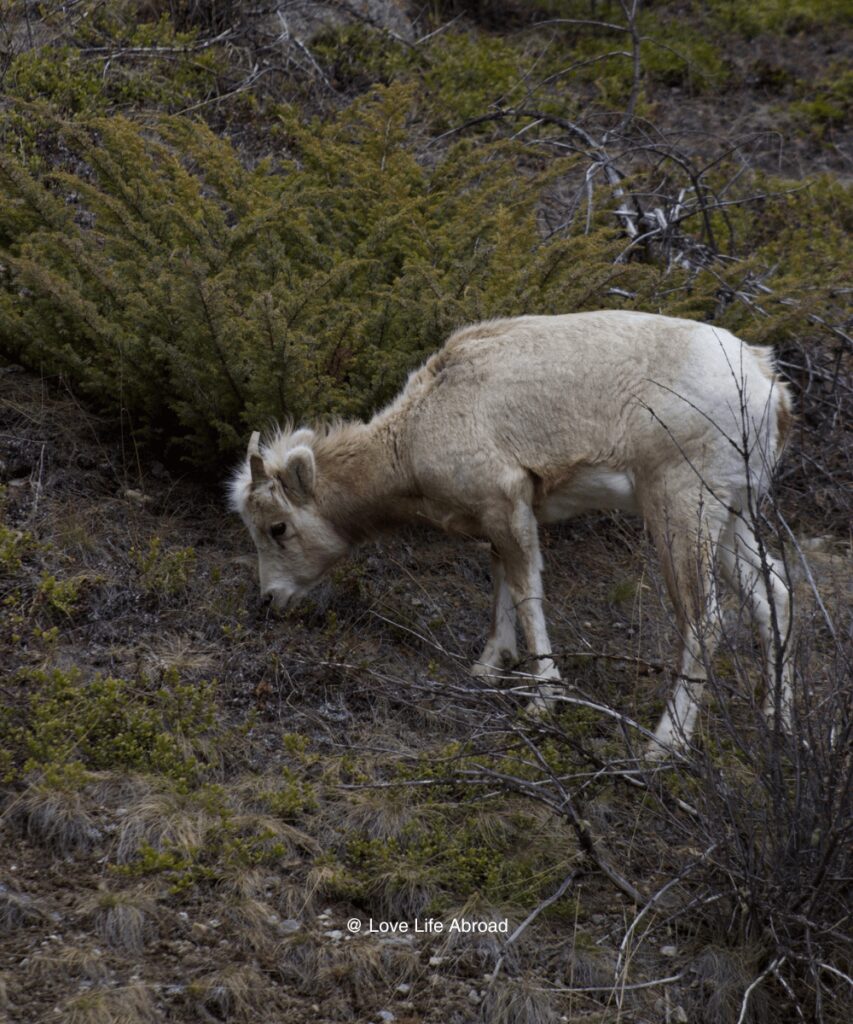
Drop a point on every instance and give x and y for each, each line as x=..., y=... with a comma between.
x=217, y=215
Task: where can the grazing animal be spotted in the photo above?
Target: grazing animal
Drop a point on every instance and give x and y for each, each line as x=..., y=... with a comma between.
x=533, y=420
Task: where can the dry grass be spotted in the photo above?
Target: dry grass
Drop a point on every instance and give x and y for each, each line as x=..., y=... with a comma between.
x=124, y=919
x=131, y=1004
x=17, y=910
x=56, y=818
x=252, y=924
x=380, y=813
x=357, y=969
x=238, y=993
x=163, y=820
x=476, y=951
x=284, y=890
x=403, y=892
x=517, y=1002
x=78, y=962
x=722, y=976
x=299, y=961
x=585, y=968
x=179, y=652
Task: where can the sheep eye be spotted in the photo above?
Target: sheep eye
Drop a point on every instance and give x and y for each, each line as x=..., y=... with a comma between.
x=278, y=530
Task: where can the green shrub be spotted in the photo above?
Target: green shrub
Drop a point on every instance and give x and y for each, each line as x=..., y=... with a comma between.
x=61, y=74
x=683, y=56
x=108, y=724
x=14, y=546
x=164, y=572
x=466, y=76
x=357, y=58
x=58, y=596
x=783, y=16
x=201, y=297
x=826, y=103
x=119, y=63
x=452, y=856
x=168, y=280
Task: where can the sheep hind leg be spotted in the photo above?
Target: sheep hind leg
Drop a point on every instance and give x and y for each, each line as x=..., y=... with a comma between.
x=748, y=571
x=687, y=552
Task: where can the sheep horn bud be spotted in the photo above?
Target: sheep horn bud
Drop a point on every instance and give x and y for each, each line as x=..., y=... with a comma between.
x=256, y=463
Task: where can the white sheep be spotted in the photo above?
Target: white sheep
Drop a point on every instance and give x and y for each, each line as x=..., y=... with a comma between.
x=534, y=420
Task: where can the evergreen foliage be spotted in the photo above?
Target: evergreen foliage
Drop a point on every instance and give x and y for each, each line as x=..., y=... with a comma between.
x=201, y=297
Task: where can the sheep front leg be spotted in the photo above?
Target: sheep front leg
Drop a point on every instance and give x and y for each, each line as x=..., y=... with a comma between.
x=519, y=551
x=501, y=650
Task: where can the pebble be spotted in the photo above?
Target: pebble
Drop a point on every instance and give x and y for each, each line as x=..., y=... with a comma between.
x=335, y=935
x=670, y=951
x=404, y=988
x=386, y=1016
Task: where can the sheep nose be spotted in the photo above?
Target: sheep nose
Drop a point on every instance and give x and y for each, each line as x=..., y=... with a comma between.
x=265, y=600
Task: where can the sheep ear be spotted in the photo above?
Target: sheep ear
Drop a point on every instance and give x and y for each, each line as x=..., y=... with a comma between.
x=299, y=473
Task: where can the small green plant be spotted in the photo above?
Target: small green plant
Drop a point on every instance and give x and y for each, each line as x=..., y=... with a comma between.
x=15, y=545
x=62, y=74
x=164, y=572
x=58, y=595
x=168, y=73
x=449, y=859
x=466, y=77
x=297, y=746
x=292, y=799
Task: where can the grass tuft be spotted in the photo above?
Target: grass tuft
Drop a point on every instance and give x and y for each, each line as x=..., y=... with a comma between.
x=68, y=962
x=131, y=1004
x=236, y=993
x=123, y=920
x=55, y=817
x=17, y=910
x=722, y=976
x=165, y=820
x=517, y=1002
